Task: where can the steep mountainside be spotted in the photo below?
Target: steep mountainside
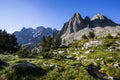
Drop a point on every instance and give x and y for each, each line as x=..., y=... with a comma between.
x=77, y=26
x=29, y=36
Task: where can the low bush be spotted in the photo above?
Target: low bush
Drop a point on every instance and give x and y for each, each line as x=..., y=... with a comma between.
x=23, y=53
x=2, y=64
x=91, y=35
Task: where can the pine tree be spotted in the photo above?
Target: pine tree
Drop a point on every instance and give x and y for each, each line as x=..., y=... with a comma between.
x=56, y=41
x=43, y=44
x=49, y=42
x=8, y=42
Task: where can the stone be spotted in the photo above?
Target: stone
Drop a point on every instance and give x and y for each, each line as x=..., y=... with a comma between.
x=23, y=66
x=118, y=42
x=92, y=44
x=60, y=52
x=94, y=71
x=116, y=65
x=102, y=63
x=51, y=65
x=82, y=56
x=54, y=52
x=89, y=51
x=82, y=48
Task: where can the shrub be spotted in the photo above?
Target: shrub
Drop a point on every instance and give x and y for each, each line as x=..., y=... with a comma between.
x=84, y=37
x=2, y=64
x=47, y=55
x=91, y=35
x=23, y=53
x=109, y=36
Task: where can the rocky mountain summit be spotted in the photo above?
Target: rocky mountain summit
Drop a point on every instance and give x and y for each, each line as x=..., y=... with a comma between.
x=77, y=26
x=30, y=36
x=73, y=25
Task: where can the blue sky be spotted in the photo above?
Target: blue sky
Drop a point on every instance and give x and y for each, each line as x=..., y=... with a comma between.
x=15, y=14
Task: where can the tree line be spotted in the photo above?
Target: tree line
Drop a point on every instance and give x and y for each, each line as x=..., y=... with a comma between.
x=50, y=42
x=8, y=42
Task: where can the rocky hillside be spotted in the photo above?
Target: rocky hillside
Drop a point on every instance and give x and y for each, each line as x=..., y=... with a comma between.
x=87, y=59
x=29, y=36
x=77, y=26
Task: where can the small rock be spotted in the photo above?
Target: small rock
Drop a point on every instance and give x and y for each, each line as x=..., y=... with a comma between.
x=82, y=48
x=60, y=52
x=92, y=44
x=68, y=57
x=102, y=63
x=89, y=51
x=52, y=65
x=118, y=42
x=54, y=52
x=82, y=56
x=117, y=65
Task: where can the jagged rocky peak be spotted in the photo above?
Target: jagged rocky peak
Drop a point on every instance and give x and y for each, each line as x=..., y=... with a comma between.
x=87, y=19
x=74, y=24
x=77, y=26
x=98, y=17
x=102, y=21
x=76, y=19
x=76, y=16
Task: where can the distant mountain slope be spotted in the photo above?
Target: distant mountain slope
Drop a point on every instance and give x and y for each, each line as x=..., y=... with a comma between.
x=29, y=36
x=77, y=26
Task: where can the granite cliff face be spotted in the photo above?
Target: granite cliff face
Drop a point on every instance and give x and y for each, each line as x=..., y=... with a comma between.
x=73, y=25
x=77, y=26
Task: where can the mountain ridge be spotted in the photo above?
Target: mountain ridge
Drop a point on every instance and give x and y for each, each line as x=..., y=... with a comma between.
x=30, y=36
x=77, y=26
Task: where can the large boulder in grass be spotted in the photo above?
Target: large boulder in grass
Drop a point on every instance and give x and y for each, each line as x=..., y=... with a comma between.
x=24, y=70
x=25, y=67
x=94, y=71
x=92, y=44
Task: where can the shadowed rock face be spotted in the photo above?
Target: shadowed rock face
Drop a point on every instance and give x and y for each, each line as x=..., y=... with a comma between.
x=87, y=22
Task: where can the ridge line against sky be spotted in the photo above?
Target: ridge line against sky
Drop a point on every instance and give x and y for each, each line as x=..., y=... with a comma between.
x=15, y=14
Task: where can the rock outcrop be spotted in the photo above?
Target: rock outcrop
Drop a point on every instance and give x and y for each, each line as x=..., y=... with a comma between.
x=94, y=71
